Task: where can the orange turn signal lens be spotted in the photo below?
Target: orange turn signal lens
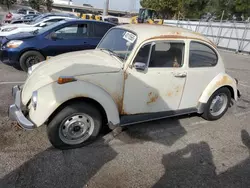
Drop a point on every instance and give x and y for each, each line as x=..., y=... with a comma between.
x=64, y=80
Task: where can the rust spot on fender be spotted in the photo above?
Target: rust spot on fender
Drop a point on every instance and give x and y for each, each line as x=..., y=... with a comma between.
x=224, y=81
x=125, y=75
x=152, y=97
x=170, y=94
x=119, y=102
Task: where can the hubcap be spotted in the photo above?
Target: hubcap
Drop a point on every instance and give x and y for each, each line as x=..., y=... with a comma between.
x=76, y=129
x=32, y=60
x=219, y=104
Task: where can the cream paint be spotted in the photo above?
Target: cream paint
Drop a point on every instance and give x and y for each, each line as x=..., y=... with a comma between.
x=101, y=77
x=50, y=97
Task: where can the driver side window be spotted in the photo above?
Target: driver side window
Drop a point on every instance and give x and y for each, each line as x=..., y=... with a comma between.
x=162, y=54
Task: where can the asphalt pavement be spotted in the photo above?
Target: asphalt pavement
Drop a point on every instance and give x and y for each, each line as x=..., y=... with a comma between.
x=178, y=152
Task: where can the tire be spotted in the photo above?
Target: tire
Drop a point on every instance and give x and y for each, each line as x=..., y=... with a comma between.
x=67, y=117
x=30, y=58
x=208, y=113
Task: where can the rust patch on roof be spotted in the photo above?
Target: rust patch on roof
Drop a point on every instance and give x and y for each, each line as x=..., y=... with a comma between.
x=152, y=97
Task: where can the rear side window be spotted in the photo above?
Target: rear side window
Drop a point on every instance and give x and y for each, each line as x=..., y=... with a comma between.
x=202, y=55
x=100, y=29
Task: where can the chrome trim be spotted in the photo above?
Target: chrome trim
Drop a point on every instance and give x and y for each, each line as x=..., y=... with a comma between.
x=15, y=112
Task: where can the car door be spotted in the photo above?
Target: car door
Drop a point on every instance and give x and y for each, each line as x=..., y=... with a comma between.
x=72, y=37
x=158, y=87
x=201, y=69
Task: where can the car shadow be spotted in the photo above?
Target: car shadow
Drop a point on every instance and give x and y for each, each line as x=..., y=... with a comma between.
x=60, y=169
x=193, y=166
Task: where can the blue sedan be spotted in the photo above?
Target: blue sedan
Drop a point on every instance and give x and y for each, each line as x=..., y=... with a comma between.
x=26, y=49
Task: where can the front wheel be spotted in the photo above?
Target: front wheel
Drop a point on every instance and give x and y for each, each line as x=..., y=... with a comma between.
x=30, y=58
x=217, y=105
x=74, y=126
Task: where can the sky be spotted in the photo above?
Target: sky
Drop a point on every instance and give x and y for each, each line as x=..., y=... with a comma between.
x=124, y=5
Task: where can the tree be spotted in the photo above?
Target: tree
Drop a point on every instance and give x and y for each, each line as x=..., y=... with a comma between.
x=194, y=8
x=48, y=4
x=8, y=3
x=35, y=4
x=167, y=8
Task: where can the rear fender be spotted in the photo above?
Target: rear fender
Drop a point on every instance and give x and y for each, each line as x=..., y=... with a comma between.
x=221, y=80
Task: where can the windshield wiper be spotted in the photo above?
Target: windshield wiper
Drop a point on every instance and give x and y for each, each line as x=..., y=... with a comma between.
x=112, y=53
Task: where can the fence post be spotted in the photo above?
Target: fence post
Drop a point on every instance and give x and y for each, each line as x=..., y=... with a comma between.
x=243, y=38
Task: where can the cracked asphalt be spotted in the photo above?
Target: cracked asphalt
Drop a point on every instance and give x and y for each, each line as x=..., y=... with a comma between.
x=178, y=152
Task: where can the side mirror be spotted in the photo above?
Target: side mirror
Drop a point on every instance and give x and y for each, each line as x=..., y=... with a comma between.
x=140, y=66
x=53, y=36
x=42, y=24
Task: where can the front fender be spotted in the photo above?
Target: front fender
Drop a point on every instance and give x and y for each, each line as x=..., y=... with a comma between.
x=219, y=81
x=51, y=96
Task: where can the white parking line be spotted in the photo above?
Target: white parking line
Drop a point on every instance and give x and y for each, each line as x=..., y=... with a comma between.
x=17, y=82
x=242, y=114
x=244, y=85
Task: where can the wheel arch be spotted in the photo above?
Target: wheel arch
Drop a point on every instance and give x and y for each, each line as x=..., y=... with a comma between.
x=30, y=49
x=78, y=100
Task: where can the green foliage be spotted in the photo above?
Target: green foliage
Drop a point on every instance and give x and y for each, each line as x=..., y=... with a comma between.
x=8, y=3
x=196, y=8
x=35, y=4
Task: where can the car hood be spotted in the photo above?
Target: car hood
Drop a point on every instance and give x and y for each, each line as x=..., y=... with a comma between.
x=69, y=64
x=15, y=25
x=22, y=35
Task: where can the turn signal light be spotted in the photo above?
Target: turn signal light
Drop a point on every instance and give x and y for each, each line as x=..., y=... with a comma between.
x=64, y=80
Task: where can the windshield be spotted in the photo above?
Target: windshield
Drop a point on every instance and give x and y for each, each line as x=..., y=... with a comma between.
x=119, y=41
x=37, y=19
x=50, y=26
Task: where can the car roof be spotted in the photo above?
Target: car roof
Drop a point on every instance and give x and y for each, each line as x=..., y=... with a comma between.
x=153, y=31
x=86, y=20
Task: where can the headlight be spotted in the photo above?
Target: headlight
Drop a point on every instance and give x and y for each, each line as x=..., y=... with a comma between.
x=30, y=70
x=14, y=43
x=9, y=29
x=34, y=99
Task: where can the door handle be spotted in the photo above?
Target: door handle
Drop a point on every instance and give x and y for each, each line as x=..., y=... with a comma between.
x=180, y=74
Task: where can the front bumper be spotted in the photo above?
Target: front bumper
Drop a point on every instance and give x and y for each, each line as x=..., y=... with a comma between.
x=9, y=57
x=15, y=111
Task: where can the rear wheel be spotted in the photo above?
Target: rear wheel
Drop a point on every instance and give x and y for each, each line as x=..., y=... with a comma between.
x=74, y=126
x=217, y=105
x=30, y=58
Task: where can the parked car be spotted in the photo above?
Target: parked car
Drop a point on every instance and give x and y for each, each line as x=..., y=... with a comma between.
x=10, y=16
x=26, y=49
x=111, y=20
x=24, y=19
x=27, y=11
x=28, y=27
x=148, y=72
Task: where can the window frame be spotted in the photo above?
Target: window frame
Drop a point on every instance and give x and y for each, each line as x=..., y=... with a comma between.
x=93, y=33
x=207, y=45
x=150, y=52
x=61, y=27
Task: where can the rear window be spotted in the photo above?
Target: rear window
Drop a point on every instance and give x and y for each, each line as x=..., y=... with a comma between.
x=100, y=29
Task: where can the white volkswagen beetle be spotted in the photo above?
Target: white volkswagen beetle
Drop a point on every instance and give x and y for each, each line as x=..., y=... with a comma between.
x=137, y=73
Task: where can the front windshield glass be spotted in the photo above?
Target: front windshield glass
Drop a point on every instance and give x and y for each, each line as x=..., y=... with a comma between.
x=119, y=41
x=37, y=19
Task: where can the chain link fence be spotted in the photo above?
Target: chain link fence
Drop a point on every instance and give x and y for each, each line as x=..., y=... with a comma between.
x=233, y=36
